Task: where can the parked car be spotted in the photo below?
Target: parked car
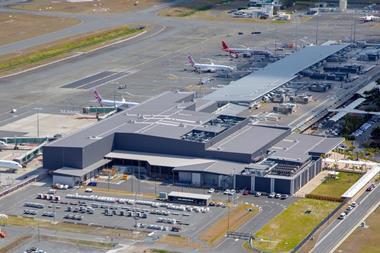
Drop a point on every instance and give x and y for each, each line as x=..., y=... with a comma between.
x=257, y=194
x=88, y=190
x=246, y=192
x=284, y=196
x=277, y=196
x=92, y=183
x=227, y=192
x=212, y=190
x=272, y=195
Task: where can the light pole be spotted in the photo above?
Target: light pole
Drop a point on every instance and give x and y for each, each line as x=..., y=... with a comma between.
x=38, y=121
x=316, y=30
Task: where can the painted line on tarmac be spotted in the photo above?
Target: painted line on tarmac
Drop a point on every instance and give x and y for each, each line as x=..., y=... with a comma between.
x=355, y=227
x=82, y=53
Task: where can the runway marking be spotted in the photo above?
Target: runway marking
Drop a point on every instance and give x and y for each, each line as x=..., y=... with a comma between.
x=75, y=55
x=103, y=81
x=88, y=79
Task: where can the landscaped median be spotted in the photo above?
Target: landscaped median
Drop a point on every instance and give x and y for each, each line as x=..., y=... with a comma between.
x=68, y=47
x=285, y=231
x=238, y=216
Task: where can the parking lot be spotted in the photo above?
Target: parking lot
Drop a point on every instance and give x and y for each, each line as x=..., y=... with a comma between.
x=113, y=212
x=125, y=212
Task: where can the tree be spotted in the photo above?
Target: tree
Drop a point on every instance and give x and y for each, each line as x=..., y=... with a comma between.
x=375, y=135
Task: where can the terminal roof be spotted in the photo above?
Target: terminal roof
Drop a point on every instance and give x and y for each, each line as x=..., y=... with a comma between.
x=162, y=116
x=249, y=139
x=216, y=167
x=257, y=84
x=299, y=147
x=68, y=171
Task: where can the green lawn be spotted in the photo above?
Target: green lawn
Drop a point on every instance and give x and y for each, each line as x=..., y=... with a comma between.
x=291, y=226
x=336, y=187
x=68, y=46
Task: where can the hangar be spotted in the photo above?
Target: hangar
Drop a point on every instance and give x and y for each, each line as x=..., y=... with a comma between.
x=175, y=138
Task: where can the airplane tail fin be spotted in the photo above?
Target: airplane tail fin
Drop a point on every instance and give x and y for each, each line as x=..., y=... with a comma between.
x=224, y=45
x=98, y=97
x=191, y=60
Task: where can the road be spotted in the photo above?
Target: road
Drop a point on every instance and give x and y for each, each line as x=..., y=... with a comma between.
x=339, y=229
x=270, y=208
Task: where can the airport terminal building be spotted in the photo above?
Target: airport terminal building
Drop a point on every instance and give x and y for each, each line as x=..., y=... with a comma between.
x=179, y=139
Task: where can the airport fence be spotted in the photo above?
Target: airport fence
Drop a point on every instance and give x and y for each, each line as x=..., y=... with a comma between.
x=323, y=222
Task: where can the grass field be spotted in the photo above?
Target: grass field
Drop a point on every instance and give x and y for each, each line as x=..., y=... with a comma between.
x=54, y=51
x=96, y=6
x=238, y=216
x=364, y=240
x=336, y=187
x=291, y=226
x=73, y=228
x=79, y=242
x=17, y=26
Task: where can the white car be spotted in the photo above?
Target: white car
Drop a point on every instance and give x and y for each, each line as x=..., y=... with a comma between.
x=232, y=192
x=88, y=190
x=272, y=195
x=212, y=190
x=342, y=216
x=227, y=192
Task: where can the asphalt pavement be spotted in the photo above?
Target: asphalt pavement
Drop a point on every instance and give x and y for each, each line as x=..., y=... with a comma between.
x=342, y=228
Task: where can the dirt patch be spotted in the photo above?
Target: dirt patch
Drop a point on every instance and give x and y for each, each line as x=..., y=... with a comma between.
x=15, y=27
x=178, y=241
x=95, y=6
x=237, y=216
x=75, y=228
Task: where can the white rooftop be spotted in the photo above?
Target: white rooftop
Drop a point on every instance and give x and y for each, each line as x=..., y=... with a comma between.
x=361, y=182
x=257, y=84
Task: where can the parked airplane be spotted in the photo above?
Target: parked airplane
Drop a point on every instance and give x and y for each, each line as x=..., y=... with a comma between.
x=244, y=51
x=211, y=67
x=108, y=102
x=369, y=18
x=10, y=164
